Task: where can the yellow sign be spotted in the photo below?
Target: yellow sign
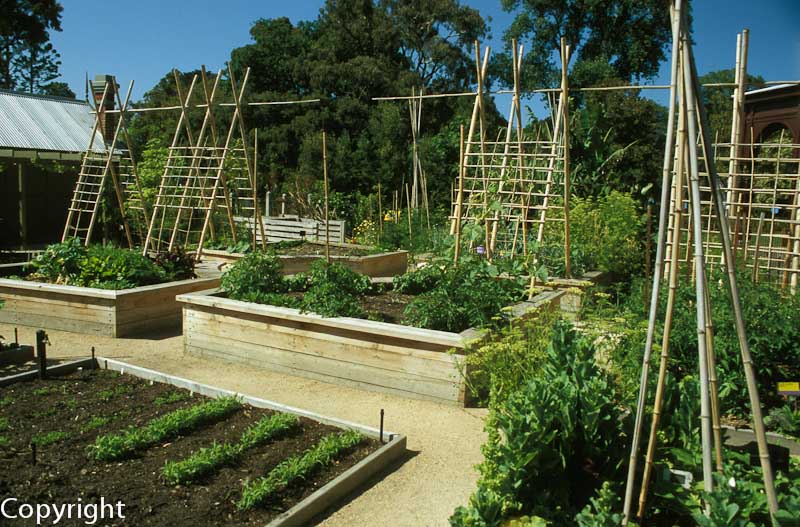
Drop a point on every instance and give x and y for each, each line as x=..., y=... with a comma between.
x=788, y=387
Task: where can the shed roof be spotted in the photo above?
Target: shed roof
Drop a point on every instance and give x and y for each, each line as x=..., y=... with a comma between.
x=45, y=123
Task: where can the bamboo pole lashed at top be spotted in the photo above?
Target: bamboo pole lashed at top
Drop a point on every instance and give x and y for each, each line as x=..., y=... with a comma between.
x=460, y=196
x=658, y=268
x=744, y=345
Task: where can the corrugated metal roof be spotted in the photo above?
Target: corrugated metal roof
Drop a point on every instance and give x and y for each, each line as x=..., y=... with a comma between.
x=44, y=123
x=768, y=89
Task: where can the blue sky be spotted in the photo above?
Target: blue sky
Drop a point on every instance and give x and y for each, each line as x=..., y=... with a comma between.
x=143, y=40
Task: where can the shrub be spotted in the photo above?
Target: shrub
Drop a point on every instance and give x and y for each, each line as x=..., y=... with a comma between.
x=420, y=281
x=256, y=273
x=551, y=442
x=59, y=263
x=114, y=268
x=468, y=295
x=106, y=267
x=606, y=234
x=340, y=277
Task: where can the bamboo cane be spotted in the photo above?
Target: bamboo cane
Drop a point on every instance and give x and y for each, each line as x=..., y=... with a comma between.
x=677, y=211
x=567, y=195
x=699, y=266
x=663, y=212
x=460, y=197
x=757, y=254
x=408, y=211
x=744, y=345
x=325, y=182
x=380, y=215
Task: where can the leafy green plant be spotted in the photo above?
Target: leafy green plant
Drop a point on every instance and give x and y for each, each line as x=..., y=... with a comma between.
x=94, y=423
x=208, y=460
x=419, y=281
x=297, y=467
x=176, y=264
x=256, y=273
x=117, y=446
x=515, y=353
x=3, y=424
x=553, y=440
x=340, y=277
x=49, y=438
x=106, y=267
x=600, y=511
x=785, y=420
x=113, y=393
x=469, y=295
x=328, y=300
x=172, y=397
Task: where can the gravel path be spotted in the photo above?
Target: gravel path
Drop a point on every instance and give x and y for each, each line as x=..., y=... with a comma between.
x=443, y=441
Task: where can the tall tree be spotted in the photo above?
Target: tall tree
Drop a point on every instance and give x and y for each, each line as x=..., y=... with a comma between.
x=630, y=35
x=24, y=24
x=35, y=67
x=436, y=38
x=60, y=89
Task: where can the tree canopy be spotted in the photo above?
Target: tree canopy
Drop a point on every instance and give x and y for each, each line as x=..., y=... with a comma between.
x=27, y=60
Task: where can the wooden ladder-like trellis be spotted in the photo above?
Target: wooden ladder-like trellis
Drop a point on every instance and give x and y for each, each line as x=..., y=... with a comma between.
x=515, y=184
x=206, y=173
x=106, y=157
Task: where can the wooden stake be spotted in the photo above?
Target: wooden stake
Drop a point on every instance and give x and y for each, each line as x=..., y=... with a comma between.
x=757, y=254
x=380, y=215
x=408, y=211
x=325, y=182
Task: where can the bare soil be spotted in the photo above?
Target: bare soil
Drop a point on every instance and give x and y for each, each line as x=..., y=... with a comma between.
x=65, y=472
x=315, y=249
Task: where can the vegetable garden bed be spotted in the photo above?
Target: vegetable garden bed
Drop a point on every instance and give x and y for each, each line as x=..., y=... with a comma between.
x=379, y=356
x=96, y=311
x=297, y=258
x=176, y=452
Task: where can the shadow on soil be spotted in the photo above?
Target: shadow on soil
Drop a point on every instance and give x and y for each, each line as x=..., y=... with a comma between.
x=371, y=482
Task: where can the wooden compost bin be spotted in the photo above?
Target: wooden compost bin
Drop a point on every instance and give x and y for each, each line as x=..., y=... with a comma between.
x=96, y=311
x=375, y=265
x=377, y=356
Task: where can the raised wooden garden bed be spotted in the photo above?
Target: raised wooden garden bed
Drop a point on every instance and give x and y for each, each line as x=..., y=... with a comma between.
x=96, y=311
x=75, y=420
x=376, y=264
x=574, y=289
x=401, y=360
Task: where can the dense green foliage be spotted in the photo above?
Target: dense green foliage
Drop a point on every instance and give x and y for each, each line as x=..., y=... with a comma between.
x=321, y=455
x=449, y=298
x=595, y=31
x=28, y=60
x=118, y=446
x=467, y=295
x=552, y=441
x=107, y=267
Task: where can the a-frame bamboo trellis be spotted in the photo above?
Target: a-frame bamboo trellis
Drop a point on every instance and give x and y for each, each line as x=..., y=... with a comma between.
x=104, y=157
x=684, y=154
x=762, y=182
x=515, y=183
x=205, y=173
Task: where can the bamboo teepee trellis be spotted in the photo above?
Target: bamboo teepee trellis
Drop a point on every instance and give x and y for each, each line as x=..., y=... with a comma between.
x=516, y=183
x=762, y=199
x=206, y=172
x=108, y=157
x=683, y=156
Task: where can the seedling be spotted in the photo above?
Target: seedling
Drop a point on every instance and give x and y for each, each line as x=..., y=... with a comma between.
x=208, y=460
x=298, y=467
x=169, y=426
x=49, y=438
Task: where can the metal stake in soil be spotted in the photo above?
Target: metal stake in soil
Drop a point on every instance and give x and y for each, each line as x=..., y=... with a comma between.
x=41, y=352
